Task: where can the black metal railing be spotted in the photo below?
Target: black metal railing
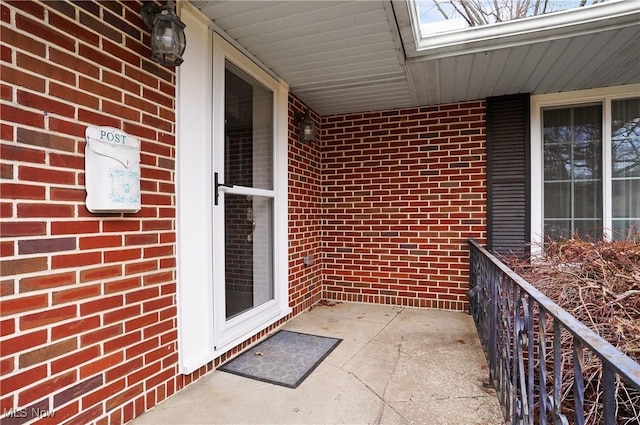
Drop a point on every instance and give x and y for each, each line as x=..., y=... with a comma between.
x=531, y=343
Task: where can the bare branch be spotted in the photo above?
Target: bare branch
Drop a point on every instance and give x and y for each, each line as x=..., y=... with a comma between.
x=478, y=12
x=437, y=3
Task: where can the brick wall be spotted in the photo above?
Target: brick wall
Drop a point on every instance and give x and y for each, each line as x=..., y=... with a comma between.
x=88, y=312
x=305, y=215
x=403, y=190
x=88, y=316
x=88, y=300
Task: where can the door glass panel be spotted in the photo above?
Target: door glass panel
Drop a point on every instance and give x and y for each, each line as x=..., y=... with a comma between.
x=248, y=217
x=248, y=159
x=248, y=252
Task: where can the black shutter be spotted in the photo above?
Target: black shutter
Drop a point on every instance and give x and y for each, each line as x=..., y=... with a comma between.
x=508, y=175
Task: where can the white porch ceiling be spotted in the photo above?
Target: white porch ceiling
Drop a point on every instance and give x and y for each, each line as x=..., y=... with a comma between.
x=355, y=56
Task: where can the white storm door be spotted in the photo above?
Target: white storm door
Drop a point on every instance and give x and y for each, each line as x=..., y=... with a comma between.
x=249, y=283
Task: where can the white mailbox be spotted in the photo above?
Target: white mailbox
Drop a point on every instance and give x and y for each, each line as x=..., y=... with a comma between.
x=112, y=171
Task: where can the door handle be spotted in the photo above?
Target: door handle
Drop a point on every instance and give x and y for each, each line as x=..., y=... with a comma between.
x=216, y=185
x=253, y=229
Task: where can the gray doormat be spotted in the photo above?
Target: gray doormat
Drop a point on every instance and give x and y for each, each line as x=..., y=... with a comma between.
x=286, y=358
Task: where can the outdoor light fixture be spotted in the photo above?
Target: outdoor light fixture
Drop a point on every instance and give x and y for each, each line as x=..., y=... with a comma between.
x=167, y=33
x=306, y=126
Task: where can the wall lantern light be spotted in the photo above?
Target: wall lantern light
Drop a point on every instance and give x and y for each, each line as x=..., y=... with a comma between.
x=306, y=126
x=167, y=33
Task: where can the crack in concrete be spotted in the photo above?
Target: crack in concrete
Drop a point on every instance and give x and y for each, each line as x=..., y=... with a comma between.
x=398, y=350
x=378, y=418
x=384, y=390
x=373, y=337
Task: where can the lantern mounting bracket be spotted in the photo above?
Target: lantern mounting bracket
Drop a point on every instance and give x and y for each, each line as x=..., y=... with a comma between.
x=150, y=9
x=168, y=40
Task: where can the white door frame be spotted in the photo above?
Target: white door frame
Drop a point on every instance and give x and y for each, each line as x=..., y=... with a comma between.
x=200, y=105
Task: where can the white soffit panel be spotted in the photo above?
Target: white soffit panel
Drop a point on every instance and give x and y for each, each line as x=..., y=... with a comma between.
x=336, y=56
x=354, y=56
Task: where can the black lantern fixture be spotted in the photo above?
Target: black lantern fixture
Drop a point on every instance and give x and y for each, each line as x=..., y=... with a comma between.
x=167, y=33
x=306, y=126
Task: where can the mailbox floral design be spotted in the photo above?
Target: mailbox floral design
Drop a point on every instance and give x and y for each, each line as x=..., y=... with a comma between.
x=112, y=171
x=125, y=187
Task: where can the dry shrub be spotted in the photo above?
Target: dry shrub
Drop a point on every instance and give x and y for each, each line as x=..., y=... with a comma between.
x=599, y=284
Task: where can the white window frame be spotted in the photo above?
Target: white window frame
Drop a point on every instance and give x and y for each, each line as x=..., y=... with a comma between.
x=197, y=104
x=561, y=24
x=538, y=103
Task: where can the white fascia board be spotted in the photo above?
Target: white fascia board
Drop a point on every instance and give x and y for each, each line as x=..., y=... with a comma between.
x=566, y=23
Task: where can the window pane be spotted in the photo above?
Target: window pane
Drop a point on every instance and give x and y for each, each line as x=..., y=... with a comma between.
x=587, y=160
x=557, y=162
x=625, y=167
x=248, y=252
x=625, y=137
x=622, y=229
x=557, y=229
x=587, y=200
x=573, y=171
x=443, y=16
x=625, y=157
x=557, y=200
x=588, y=229
x=587, y=124
x=557, y=126
x=625, y=198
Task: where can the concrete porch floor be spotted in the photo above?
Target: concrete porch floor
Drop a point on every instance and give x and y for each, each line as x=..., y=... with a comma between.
x=394, y=366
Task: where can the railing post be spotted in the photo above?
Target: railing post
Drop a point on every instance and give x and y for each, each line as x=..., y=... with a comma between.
x=530, y=360
x=609, y=402
x=542, y=344
x=516, y=402
x=578, y=381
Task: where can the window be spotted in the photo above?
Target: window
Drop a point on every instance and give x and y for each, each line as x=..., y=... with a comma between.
x=587, y=152
x=438, y=16
x=625, y=167
x=446, y=27
x=572, y=138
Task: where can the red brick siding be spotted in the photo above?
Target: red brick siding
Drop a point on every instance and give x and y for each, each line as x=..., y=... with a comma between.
x=403, y=190
x=383, y=203
x=88, y=300
x=305, y=215
x=88, y=312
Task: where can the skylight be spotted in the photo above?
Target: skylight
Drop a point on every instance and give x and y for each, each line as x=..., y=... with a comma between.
x=445, y=27
x=438, y=16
